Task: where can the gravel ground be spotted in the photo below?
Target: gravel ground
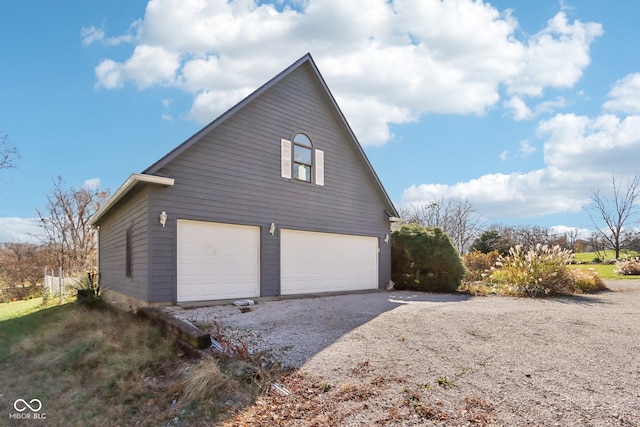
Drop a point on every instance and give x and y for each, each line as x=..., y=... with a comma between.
x=402, y=359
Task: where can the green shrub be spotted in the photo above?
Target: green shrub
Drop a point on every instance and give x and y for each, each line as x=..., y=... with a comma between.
x=627, y=266
x=89, y=293
x=425, y=259
x=492, y=240
x=540, y=271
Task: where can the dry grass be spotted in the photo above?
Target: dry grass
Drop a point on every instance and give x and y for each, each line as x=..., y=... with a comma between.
x=110, y=368
x=587, y=281
x=541, y=271
x=312, y=403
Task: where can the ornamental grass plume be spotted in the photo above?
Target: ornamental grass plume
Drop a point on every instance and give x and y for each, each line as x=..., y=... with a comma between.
x=539, y=271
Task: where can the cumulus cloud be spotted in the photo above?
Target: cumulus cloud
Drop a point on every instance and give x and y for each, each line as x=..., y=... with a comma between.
x=625, y=96
x=15, y=229
x=575, y=149
x=518, y=108
x=400, y=60
x=517, y=195
x=147, y=66
x=580, y=233
x=554, y=57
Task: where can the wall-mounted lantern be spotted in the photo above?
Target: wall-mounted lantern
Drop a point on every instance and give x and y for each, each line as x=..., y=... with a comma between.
x=272, y=229
x=163, y=218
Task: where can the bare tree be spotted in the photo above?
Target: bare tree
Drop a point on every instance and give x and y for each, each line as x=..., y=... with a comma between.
x=65, y=224
x=613, y=215
x=20, y=263
x=8, y=153
x=456, y=217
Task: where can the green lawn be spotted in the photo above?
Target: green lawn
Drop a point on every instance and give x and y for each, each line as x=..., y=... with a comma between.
x=607, y=255
x=605, y=271
x=10, y=310
x=21, y=319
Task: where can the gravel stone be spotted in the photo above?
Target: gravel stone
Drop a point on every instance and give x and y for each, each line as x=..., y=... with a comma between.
x=515, y=361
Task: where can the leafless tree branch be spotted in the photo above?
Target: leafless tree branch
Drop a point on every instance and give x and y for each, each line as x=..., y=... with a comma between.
x=614, y=215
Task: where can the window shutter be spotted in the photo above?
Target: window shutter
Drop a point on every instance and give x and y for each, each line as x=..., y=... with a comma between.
x=319, y=165
x=285, y=158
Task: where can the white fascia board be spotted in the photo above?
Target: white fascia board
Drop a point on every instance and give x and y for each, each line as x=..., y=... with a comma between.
x=128, y=185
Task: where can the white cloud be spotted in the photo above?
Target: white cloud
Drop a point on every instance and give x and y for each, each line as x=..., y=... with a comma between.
x=91, y=34
x=92, y=183
x=207, y=105
x=554, y=57
x=575, y=150
x=526, y=148
x=580, y=233
x=147, y=66
x=109, y=74
x=518, y=108
x=625, y=96
x=523, y=195
x=388, y=66
x=583, y=145
x=15, y=229
x=504, y=155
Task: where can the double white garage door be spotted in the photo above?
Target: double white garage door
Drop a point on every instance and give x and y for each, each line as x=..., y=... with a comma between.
x=222, y=261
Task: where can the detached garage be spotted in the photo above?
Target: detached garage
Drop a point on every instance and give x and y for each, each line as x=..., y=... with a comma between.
x=274, y=197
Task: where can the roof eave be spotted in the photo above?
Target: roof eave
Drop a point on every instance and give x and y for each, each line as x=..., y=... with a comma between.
x=131, y=182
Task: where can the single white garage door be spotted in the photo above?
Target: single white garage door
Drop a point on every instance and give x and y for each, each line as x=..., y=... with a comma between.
x=324, y=262
x=217, y=261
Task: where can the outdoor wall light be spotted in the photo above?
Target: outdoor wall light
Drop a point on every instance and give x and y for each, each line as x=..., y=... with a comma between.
x=163, y=218
x=386, y=238
x=272, y=229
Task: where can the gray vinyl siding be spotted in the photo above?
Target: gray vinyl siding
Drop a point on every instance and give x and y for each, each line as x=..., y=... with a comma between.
x=132, y=212
x=232, y=175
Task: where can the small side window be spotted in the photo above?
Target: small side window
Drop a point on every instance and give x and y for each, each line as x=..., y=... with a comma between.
x=128, y=251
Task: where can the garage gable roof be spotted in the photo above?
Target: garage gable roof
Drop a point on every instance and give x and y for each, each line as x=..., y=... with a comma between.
x=306, y=59
x=134, y=180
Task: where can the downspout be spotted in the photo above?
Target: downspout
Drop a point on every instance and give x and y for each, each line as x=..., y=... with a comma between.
x=97, y=278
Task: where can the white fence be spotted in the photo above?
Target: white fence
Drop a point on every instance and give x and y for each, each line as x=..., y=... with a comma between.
x=60, y=285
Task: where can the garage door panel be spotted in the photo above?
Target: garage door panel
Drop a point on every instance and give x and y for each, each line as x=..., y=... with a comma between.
x=324, y=262
x=217, y=261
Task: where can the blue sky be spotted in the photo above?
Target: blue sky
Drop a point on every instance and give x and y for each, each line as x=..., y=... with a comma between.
x=522, y=108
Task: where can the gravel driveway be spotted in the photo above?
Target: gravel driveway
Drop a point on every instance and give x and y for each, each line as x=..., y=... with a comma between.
x=403, y=358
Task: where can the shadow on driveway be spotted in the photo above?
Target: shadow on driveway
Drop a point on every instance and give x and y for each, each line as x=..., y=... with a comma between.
x=293, y=330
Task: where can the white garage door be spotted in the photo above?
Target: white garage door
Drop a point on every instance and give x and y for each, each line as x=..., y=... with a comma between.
x=324, y=262
x=217, y=261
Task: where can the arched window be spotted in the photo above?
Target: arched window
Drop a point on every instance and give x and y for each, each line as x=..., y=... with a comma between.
x=302, y=157
x=300, y=161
